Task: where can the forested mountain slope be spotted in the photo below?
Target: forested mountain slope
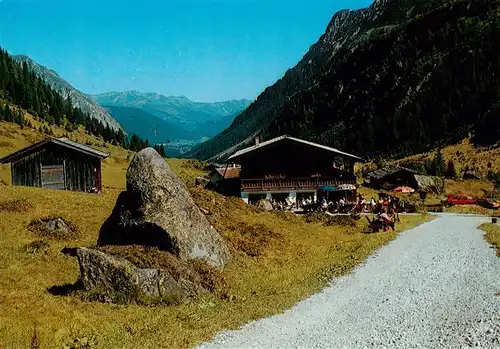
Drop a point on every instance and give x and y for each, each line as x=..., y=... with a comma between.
x=397, y=78
x=23, y=88
x=68, y=92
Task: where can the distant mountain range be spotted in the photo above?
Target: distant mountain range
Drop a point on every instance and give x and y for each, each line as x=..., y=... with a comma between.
x=64, y=88
x=146, y=125
x=149, y=115
x=397, y=78
x=180, y=118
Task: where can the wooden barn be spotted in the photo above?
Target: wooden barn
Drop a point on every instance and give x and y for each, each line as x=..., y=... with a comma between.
x=57, y=163
x=291, y=169
x=391, y=177
x=388, y=178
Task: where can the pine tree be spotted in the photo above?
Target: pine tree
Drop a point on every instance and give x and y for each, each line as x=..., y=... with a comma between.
x=134, y=143
x=439, y=164
x=450, y=171
x=8, y=114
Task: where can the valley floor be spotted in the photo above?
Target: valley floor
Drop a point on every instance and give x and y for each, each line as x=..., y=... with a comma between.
x=279, y=259
x=290, y=260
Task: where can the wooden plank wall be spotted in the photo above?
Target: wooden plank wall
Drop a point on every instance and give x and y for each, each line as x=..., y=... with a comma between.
x=26, y=171
x=79, y=168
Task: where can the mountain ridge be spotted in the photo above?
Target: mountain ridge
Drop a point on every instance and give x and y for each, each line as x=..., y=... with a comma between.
x=195, y=119
x=66, y=90
x=134, y=98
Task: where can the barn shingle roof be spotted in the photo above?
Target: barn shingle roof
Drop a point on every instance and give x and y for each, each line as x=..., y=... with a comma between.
x=64, y=142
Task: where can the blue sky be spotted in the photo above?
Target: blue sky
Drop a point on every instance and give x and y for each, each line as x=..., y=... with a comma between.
x=205, y=50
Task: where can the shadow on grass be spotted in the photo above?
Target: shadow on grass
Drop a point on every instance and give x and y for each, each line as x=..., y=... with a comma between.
x=66, y=289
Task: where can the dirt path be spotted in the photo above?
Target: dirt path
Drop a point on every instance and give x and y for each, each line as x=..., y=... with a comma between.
x=435, y=286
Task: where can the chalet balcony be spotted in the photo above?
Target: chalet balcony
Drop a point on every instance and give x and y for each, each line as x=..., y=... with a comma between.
x=293, y=183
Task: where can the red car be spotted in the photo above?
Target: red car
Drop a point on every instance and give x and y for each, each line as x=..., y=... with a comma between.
x=460, y=200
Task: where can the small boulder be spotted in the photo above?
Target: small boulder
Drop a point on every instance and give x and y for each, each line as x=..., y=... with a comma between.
x=158, y=210
x=265, y=205
x=117, y=280
x=53, y=227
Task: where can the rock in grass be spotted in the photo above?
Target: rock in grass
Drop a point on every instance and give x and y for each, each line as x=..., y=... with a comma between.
x=158, y=210
x=116, y=280
x=265, y=205
x=56, y=228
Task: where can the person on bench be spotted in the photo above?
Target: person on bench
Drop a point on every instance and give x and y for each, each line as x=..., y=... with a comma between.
x=384, y=219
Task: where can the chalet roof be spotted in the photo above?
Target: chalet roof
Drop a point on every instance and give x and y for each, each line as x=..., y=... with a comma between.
x=223, y=155
x=286, y=137
x=229, y=173
x=386, y=171
x=64, y=142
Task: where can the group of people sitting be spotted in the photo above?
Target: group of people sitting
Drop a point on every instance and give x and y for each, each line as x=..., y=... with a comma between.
x=385, y=218
x=360, y=205
x=385, y=208
x=286, y=205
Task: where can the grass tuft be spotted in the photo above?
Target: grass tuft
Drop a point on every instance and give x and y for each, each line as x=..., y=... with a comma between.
x=251, y=239
x=19, y=205
x=212, y=278
x=5, y=144
x=81, y=343
x=492, y=235
x=38, y=246
x=327, y=220
x=35, y=340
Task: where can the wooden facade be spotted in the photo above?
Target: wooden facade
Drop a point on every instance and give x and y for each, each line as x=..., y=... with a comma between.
x=57, y=164
x=294, y=167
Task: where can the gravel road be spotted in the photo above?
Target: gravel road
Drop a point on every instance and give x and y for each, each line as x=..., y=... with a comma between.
x=435, y=286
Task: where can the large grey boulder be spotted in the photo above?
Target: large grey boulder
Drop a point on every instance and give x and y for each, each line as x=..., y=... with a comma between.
x=117, y=280
x=158, y=210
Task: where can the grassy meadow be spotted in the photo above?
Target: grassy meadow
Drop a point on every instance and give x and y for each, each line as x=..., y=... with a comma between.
x=278, y=259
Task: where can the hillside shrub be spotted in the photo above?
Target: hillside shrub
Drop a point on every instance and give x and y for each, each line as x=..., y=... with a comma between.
x=19, y=205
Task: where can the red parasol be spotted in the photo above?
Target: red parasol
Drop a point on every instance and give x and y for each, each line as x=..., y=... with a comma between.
x=404, y=189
